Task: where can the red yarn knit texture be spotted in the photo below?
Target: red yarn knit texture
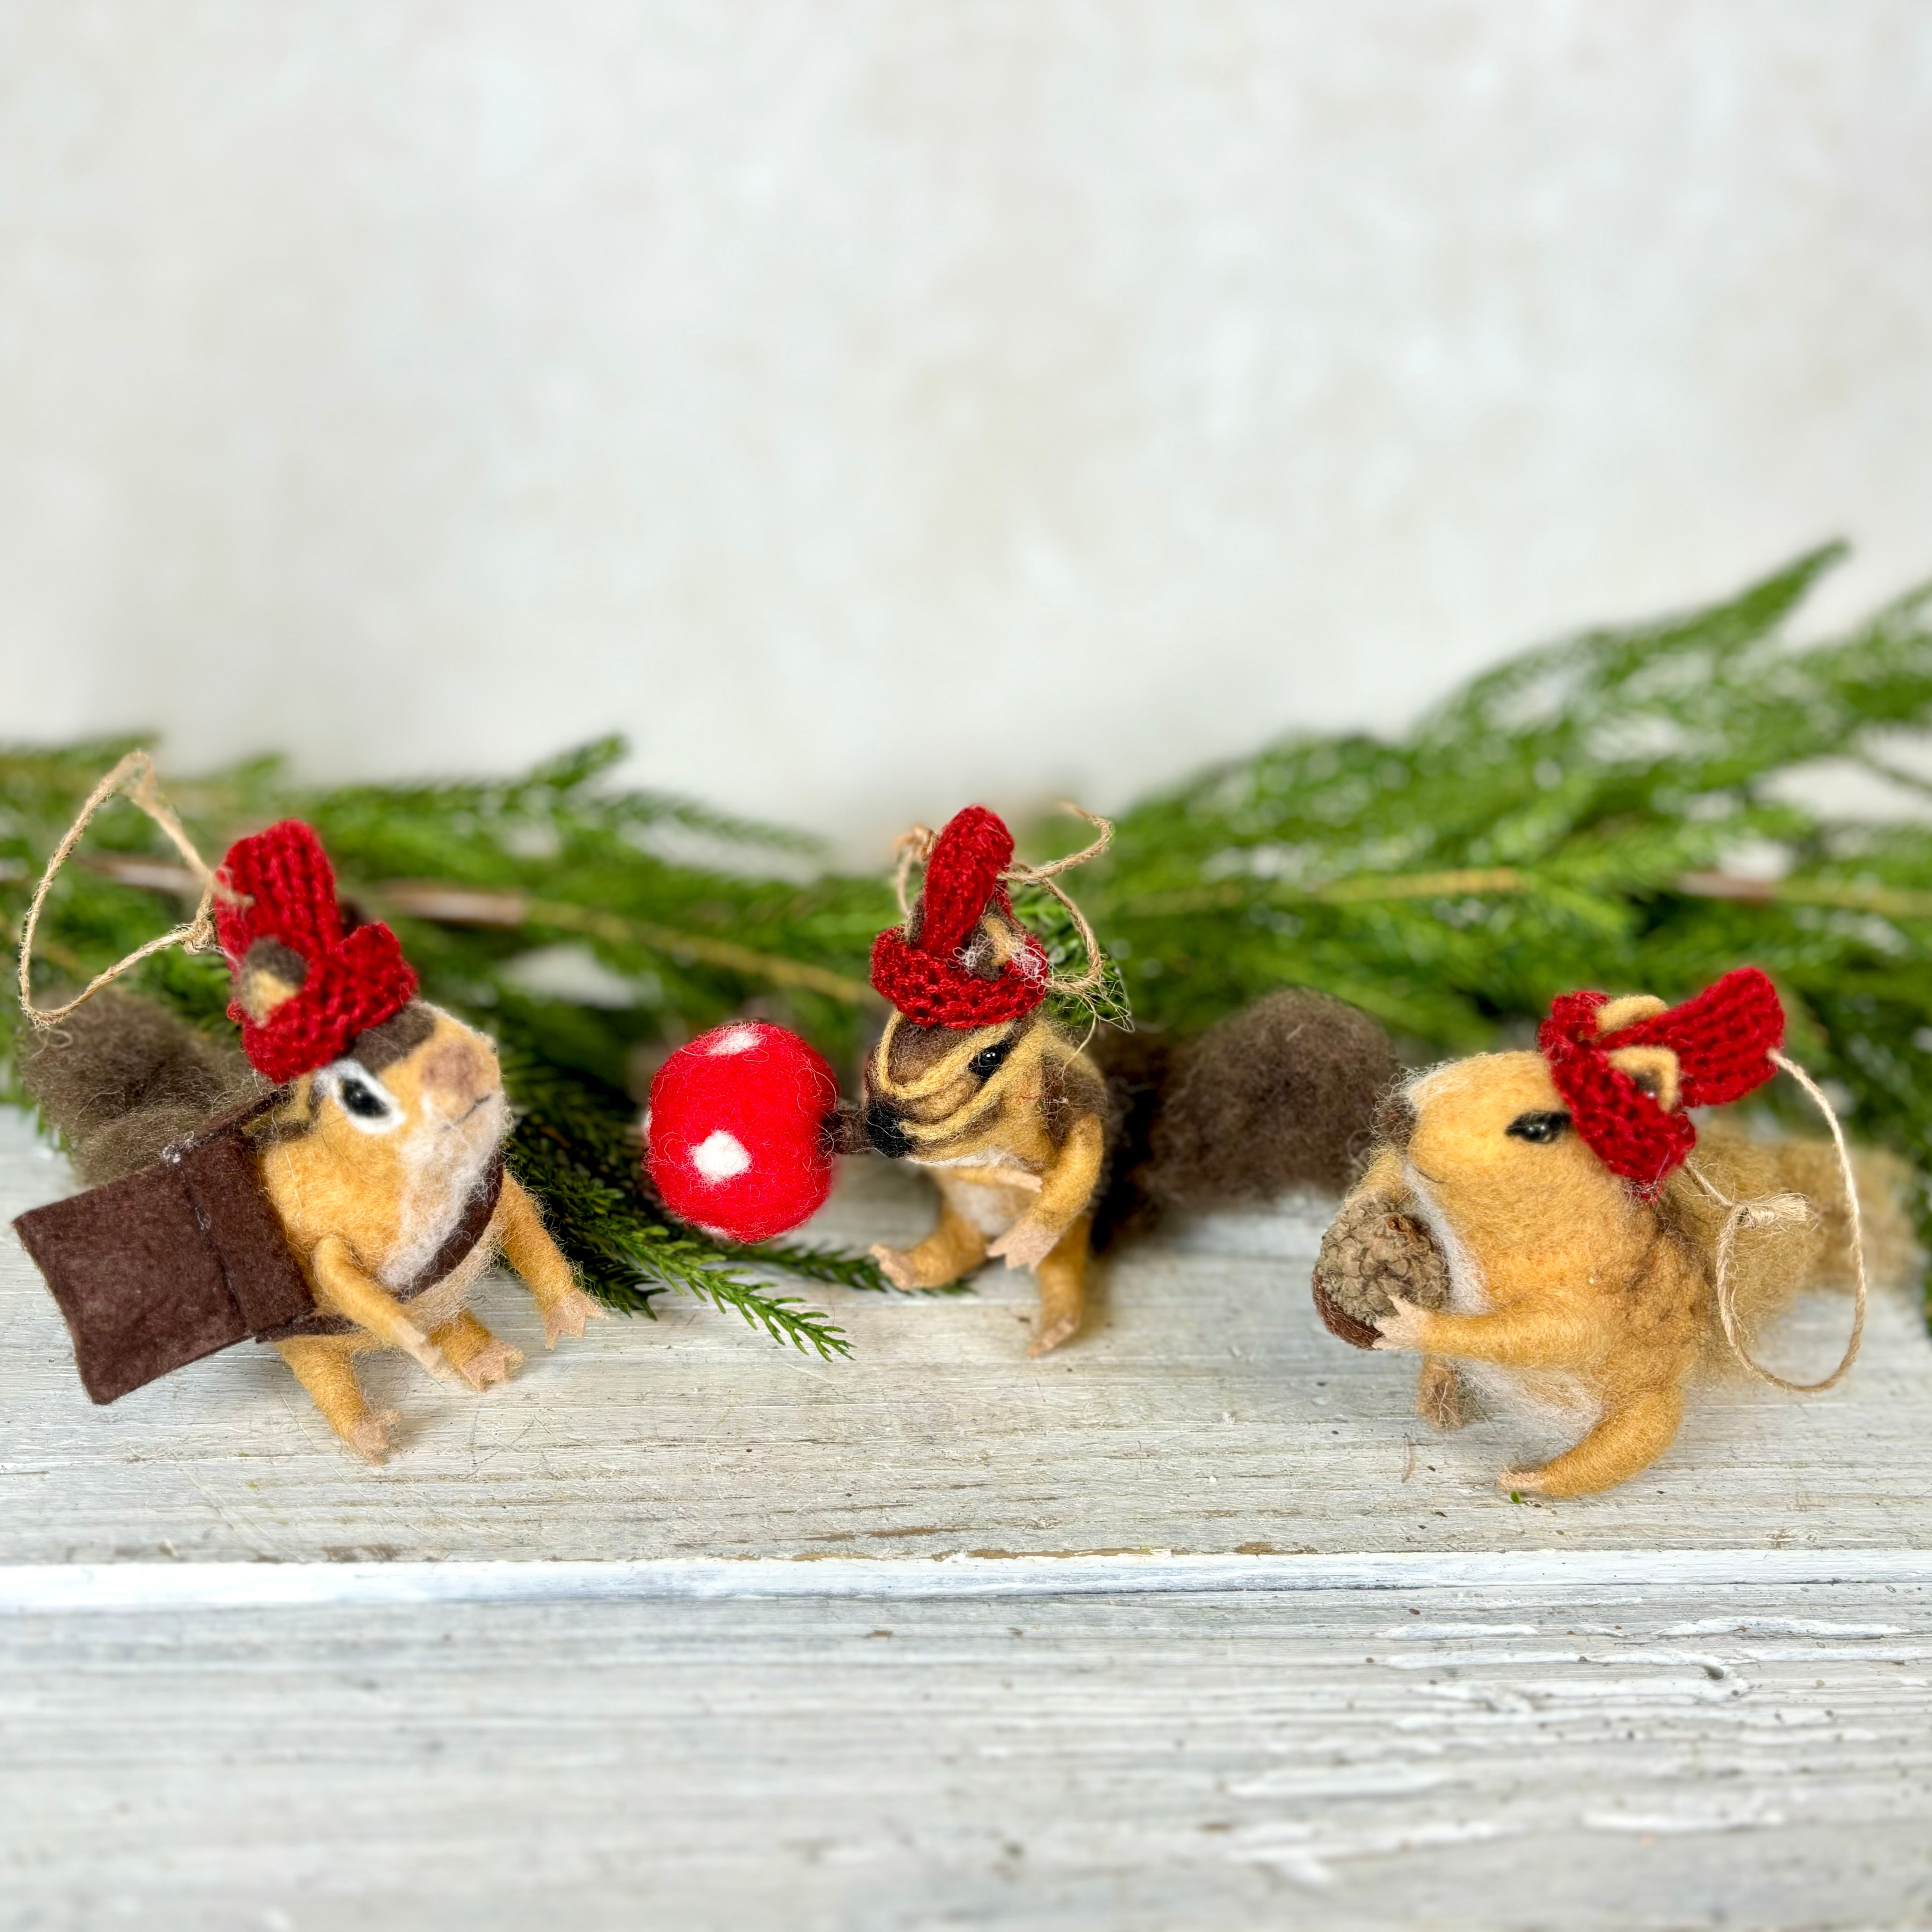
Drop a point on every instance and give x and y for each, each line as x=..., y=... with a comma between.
x=355, y=980
x=736, y=1140
x=1722, y=1039
x=922, y=976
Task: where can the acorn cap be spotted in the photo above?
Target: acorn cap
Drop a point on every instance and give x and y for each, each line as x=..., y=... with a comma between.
x=1371, y=1251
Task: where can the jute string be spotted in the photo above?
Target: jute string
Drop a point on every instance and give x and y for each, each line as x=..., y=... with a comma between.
x=915, y=847
x=135, y=776
x=1788, y=1210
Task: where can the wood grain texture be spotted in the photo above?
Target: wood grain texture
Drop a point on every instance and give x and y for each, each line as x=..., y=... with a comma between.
x=1449, y=1758
x=1207, y=1411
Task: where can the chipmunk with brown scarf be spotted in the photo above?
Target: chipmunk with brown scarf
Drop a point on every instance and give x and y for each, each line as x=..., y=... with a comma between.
x=341, y=1190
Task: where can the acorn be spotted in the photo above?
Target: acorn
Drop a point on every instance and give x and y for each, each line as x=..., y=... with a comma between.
x=1371, y=1251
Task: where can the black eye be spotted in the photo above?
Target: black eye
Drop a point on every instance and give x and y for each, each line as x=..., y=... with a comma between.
x=1538, y=1127
x=359, y=1097
x=989, y=1060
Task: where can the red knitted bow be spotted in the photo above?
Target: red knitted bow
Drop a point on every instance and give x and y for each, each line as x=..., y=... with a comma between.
x=1722, y=1039
x=922, y=970
x=353, y=980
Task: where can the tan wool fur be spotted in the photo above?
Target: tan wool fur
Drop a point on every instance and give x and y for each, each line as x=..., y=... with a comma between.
x=1010, y=1120
x=364, y=1211
x=366, y=1195
x=1572, y=1296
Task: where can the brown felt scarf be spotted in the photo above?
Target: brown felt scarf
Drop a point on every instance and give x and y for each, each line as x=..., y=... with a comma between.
x=187, y=1257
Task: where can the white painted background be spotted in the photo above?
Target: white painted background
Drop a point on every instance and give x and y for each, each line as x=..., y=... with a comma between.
x=866, y=404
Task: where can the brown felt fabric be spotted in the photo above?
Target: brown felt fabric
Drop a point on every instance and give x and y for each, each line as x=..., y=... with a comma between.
x=224, y=1183
x=158, y=1268
x=122, y=1078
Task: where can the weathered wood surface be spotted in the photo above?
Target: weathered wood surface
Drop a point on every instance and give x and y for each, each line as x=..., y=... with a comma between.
x=1207, y=1411
x=1452, y=1758
x=1370, y=1691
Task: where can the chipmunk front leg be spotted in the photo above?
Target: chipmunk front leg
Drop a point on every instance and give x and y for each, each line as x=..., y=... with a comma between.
x=529, y=1249
x=955, y=1248
x=1066, y=1190
x=347, y=1290
x=1524, y=1337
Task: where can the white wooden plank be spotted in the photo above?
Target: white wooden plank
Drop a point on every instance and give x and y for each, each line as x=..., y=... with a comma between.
x=1208, y=1412
x=1453, y=1758
x=43, y=1589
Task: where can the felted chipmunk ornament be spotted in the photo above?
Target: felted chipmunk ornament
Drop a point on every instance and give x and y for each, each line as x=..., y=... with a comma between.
x=344, y=1195
x=973, y=1081
x=1582, y=1266
x=1032, y=1143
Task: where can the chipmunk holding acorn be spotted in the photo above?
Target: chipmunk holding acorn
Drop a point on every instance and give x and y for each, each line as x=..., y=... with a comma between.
x=1532, y=1225
x=348, y=1178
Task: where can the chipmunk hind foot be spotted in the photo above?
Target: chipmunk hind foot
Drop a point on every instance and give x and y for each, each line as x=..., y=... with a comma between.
x=478, y=1356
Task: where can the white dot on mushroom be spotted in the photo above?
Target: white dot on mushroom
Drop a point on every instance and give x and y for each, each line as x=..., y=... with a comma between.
x=720, y=1156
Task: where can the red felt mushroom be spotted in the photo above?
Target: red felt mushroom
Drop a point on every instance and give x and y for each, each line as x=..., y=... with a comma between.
x=738, y=1140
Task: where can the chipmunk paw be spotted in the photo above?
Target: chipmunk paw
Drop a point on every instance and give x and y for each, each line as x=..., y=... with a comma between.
x=1025, y=1244
x=1050, y=1334
x=567, y=1314
x=495, y=1362
x=895, y=1264
x=369, y=1437
x=1403, y=1327
x=1523, y=1482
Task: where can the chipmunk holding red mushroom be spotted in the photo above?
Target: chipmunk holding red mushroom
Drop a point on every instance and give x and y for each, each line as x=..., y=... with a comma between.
x=1032, y=1141
x=1042, y=1147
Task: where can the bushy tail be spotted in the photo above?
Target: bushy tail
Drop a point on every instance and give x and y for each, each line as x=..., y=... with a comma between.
x=1770, y=1265
x=121, y=1078
x=1277, y=1096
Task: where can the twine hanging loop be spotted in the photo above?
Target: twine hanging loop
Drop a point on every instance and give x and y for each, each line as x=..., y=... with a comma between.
x=134, y=775
x=1788, y=1209
x=915, y=847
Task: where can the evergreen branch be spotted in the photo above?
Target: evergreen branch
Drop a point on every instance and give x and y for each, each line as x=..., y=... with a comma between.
x=460, y=905
x=624, y=1258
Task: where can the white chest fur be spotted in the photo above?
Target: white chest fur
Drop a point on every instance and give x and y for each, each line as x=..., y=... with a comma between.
x=441, y=1171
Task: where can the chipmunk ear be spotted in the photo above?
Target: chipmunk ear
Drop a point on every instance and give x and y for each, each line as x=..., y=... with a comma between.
x=1615, y=1014
x=1653, y=1069
x=271, y=974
